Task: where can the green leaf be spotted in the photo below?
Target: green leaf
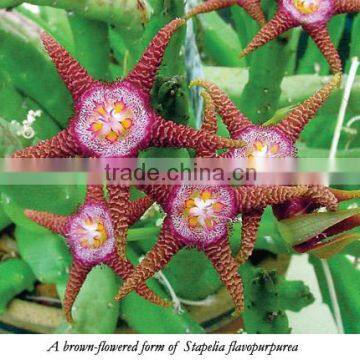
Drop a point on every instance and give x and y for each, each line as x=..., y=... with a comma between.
x=92, y=48
x=15, y=106
x=347, y=286
x=335, y=245
x=15, y=277
x=57, y=24
x=213, y=32
x=346, y=279
x=30, y=69
x=46, y=253
x=304, y=227
x=4, y=219
x=95, y=311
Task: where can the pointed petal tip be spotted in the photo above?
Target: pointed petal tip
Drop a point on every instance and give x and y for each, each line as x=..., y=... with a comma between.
x=48, y=40
x=31, y=214
x=262, y=22
x=44, y=36
x=195, y=82
x=208, y=101
x=125, y=290
x=338, y=79
x=232, y=144
x=345, y=195
x=238, y=312
x=144, y=73
x=252, y=7
x=69, y=317
x=244, y=53
x=160, y=301
x=120, y=295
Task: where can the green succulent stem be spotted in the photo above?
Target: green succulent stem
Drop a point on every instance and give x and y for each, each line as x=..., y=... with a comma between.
x=122, y=13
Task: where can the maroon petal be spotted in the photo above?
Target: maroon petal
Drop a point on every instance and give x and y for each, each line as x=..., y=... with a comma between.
x=143, y=75
x=73, y=74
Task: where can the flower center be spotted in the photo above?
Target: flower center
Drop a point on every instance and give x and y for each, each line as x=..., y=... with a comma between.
x=261, y=149
x=201, y=210
x=92, y=233
x=307, y=6
x=111, y=120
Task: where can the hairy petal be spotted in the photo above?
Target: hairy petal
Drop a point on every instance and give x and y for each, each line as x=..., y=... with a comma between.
x=209, y=122
x=53, y=222
x=322, y=196
x=77, y=276
x=62, y=145
x=156, y=259
x=137, y=209
x=234, y=120
x=346, y=6
x=279, y=24
x=168, y=134
x=118, y=205
x=224, y=263
x=258, y=197
x=95, y=193
x=253, y=7
x=298, y=118
x=73, y=74
x=124, y=269
x=322, y=39
x=143, y=75
x=250, y=226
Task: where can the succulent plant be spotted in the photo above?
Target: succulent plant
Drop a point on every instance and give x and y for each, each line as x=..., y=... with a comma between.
x=92, y=48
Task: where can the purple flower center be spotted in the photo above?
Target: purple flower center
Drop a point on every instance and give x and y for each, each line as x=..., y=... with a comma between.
x=91, y=235
x=113, y=121
x=307, y=6
x=264, y=142
x=309, y=11
x=200, y=215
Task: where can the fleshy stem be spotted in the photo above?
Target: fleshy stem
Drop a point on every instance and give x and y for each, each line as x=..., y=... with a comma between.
x=193, y=65
x=333, y=296
x=334, y=147
x=342, y=112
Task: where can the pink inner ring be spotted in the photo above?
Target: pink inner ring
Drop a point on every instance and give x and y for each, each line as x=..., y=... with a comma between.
x=322, y=15
x=200, y=237
x=90, y=256
x=138, y=135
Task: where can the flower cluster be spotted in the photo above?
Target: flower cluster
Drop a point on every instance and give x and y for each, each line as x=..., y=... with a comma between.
x=117, y=120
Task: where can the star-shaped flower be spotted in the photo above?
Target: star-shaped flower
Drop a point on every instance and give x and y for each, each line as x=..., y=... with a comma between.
x=262, y=142
x=266, y=141
x=201, y=217
x=252, y=7
x=117, y=120
x=312, y=16
x=95, y=235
